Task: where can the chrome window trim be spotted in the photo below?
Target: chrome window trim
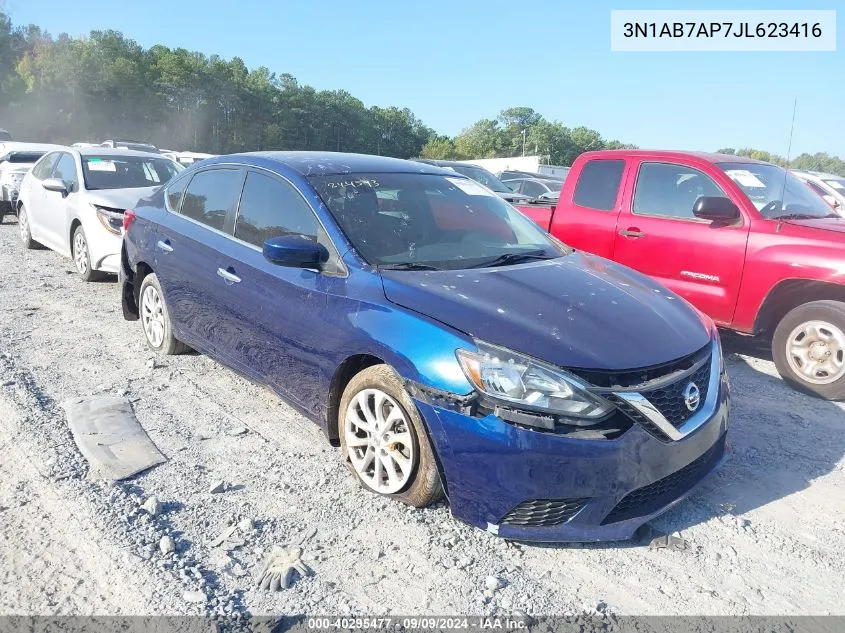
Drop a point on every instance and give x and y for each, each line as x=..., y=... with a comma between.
x=646, y=408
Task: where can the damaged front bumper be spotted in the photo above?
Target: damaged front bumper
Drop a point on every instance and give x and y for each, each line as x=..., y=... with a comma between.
x=524, y=484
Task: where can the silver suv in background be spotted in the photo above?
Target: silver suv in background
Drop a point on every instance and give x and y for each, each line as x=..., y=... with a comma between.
x=829, y=186
x=16, y=159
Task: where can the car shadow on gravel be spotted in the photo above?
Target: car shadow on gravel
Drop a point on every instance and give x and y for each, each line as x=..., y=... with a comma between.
x=780, y=441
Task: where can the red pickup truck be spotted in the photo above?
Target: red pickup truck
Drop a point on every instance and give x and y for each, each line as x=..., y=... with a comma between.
x=744, y=241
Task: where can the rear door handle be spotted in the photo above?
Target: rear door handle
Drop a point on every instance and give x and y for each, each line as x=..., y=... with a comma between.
x=228, y=276
x=164, y=246
x=631, y=233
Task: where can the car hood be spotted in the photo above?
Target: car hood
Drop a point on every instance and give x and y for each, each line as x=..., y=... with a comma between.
x=17, y=168
x=578, y=311
x=119, y=198
x=826, y=224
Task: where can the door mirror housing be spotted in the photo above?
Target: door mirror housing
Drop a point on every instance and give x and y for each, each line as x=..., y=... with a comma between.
x=294, y=251
x=716, y=209
x=56, y=184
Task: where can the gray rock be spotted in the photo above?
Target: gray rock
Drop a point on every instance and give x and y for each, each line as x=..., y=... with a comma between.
x=166, y=545
x=194, y=596
x=151, y=363
x=217, y=486
x=152, y=506
x=492, y=583
x=238, y=430
x=246, y=525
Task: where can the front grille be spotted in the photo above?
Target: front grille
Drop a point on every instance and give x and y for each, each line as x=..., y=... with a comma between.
x=652, y=497
x=669, y=400
x=633, y=378
x=543, y=512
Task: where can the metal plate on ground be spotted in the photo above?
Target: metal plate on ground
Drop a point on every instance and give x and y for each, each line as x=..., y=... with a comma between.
x=110, y=437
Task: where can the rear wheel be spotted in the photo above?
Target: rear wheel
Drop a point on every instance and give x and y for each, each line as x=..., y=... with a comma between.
x=808, y=348
x=82, y=258
x=155, y=319
x=384, y=441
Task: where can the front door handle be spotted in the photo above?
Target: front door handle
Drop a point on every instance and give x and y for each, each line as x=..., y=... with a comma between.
x=164, y=246
x=632, y=232
x=228, y=276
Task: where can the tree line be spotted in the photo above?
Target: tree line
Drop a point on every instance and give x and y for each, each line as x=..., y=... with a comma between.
x=66, y=89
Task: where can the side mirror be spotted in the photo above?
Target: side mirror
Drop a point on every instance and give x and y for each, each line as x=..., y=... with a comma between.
x=716, y=209
x=294, y=251
x=55, y=184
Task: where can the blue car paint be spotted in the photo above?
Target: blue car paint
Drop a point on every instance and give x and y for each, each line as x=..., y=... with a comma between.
x=292, y=329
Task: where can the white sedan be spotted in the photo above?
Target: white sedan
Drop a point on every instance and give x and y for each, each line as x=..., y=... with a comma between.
x=73, y=202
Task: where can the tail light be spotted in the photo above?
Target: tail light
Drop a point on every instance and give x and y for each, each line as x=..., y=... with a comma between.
x=128, y=217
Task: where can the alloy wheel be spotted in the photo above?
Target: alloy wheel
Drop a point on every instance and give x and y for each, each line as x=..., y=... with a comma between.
x=152, y=316
x=379, y=441
x=23, y=225
x=815, y=350
x=80, y=252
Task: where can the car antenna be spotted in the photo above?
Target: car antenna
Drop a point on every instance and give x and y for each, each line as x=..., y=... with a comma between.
x=788, y=153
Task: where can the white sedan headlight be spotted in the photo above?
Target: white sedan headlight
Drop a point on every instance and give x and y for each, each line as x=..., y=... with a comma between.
x=524, y=383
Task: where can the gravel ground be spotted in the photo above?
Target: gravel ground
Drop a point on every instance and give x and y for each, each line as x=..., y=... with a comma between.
x=766, y=534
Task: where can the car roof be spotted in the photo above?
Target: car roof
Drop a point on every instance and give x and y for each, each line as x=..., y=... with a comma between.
x=710, y=157
x=114, y=152
x=332, y=163
x=20, y=146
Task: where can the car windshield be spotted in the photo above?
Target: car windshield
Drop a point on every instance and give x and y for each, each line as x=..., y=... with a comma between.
x=479, y=174
x=24, y=157
x=775, y=192
x=126, y=172
x=398, y=220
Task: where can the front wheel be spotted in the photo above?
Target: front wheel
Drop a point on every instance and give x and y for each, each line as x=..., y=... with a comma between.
x=82, y=256
x=808, y=348
x=383, y=439
x=24, y=230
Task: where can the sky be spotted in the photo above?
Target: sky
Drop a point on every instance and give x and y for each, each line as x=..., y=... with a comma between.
x=453, y=62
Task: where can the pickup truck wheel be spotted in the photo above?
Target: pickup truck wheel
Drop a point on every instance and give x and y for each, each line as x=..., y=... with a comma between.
x=383, y=439
x=809, y=348
x=155, y=319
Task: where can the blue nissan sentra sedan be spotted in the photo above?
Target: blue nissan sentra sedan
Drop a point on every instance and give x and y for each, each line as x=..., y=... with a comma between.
x=439, y=337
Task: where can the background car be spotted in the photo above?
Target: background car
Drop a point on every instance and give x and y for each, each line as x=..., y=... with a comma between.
x=538, y=188
x=138, y=146
x=16, y=159
x=73, y=202
x=478, y=174
x=829, y=186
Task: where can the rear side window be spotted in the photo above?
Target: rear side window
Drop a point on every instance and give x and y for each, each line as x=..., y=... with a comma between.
x=598, y=184
x=174, y=194
x=211, y=195
x=45, y=167
x=270, y=208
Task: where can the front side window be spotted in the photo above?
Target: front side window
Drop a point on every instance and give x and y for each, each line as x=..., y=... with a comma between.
x=270, y=208
x=65, y=169
x=399, y=220
x=211, y=195
x=670, y=191
x=45, y=166
x=126, y=172
x=598, y=184
x=776, y=193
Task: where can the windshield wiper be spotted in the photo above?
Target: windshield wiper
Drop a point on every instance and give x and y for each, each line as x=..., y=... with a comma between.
x=408, y=266
x=512, y=258
x=803, y=216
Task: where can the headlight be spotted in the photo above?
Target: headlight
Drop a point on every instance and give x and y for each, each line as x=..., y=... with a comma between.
x=524, y=383
x=111, y=219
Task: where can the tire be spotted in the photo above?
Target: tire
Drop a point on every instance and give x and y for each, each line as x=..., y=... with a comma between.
x=808, y=348
x=420, y=484
x=155, y=319
x=82, y=257
x=24, y=231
